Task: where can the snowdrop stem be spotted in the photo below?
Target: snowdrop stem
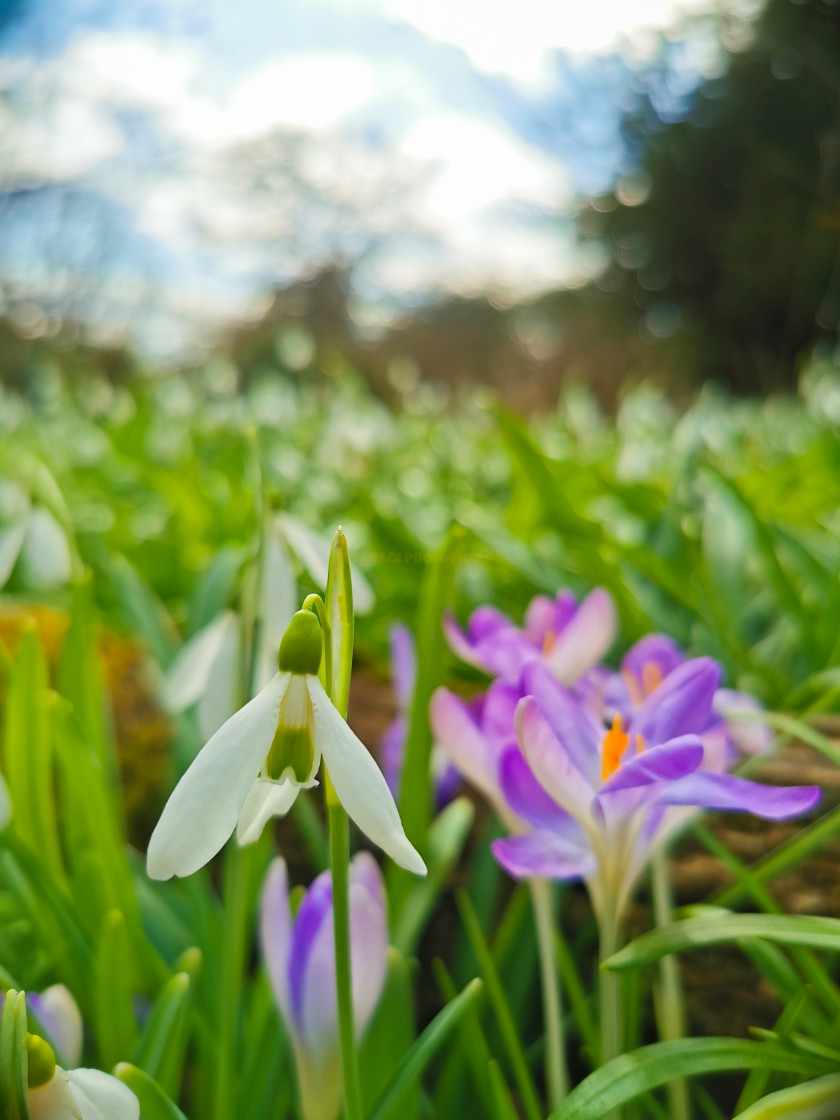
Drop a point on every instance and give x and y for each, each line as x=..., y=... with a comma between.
x=339, y=859
x=555, y=1053
x=670, y=1009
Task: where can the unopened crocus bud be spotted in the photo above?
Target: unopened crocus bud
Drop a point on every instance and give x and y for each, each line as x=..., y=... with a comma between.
x=300, y=958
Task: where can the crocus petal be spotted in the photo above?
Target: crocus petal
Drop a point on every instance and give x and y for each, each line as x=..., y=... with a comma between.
x=585, y=639
x=266, y=799
x=100, y=1095
x=460, y=736
x=654, y=649
x=572, y=723
x=187, y=677
x=665, y=763
x=5, y=804
x=540, y=618
x=312, y=958
x=60, y=1017
x=551, y=763
x=359, y=783
x=543, y=853
x=484, y=622
x=392, y=753
x=204, y=807
x=526, y=797
x=276, y=934
x=749, y=737
x=403, y=665
x=725, y=791
x=680, y=705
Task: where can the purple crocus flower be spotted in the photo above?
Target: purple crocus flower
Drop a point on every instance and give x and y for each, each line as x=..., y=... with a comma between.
x=568, y=637
x=643, y=669
x=618, y=783
x=392, y=743
x=300, y=958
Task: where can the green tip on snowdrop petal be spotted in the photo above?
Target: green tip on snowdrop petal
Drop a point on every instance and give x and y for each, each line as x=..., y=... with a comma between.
x=302, y=645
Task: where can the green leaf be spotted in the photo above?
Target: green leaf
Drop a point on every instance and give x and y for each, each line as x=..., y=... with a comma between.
x=80, y=673
x=447, y=837
x=154, y=1103
x=13, y=1058
x=504, y=1017
x=416, y=789
x=388, y=1039
x=629, y=1075
x=29, y=756
x=418, y=1057
x=116, y=1027
x=160, y=1051
x=713, y=929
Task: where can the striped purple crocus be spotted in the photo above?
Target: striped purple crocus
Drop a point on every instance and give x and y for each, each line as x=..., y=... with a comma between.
x=567, y=636
x=300, y=958
x=612, y=787
x=734, y=726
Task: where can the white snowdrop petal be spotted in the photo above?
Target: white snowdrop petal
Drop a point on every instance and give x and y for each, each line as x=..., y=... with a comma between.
x=188, y=675
x=55, y=1101
x=265, y=800
x=359, y=783
x=11, y=542
x=204, y=807
x=100, y=1095
x=45, y=555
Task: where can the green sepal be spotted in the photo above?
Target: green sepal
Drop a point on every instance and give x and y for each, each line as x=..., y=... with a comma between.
x=302, y=645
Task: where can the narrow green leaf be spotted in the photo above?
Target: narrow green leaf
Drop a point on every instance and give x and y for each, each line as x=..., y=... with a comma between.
x=389, y=1038
x=13, y=1057
x=154, y=1103
x=504, y=1017
x=80, y=673
x=418, y=1057
x=447, y=837
x=639, y=1071
x=505, y=1109
x=29, y=755
x=813, y=932
x=166, y=1025
x=116, y=1027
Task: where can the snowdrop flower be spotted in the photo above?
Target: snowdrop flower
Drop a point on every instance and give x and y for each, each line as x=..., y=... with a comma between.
x=393, y=741
x=78, y=1094
x=300, y=958
x=32, y=539
x=206, y=669
x=568, y=637
x=255, y=765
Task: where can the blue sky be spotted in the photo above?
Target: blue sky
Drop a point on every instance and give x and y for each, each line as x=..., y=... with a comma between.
x=164, y=163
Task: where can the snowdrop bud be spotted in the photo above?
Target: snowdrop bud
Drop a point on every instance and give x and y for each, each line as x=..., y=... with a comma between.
x=301, y=646
x=40, y=1061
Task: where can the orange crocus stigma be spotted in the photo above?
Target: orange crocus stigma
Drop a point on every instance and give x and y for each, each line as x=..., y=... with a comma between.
x=612, y=748
x=548, y=642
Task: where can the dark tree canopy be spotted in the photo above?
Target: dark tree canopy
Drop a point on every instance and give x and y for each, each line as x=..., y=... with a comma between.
x=731, y=259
